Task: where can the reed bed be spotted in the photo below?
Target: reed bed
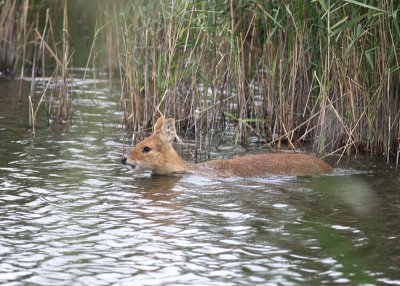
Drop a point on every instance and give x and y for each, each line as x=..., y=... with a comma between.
x=286, y=72
x=13, y=23
x=30, y=45
x=321, y=73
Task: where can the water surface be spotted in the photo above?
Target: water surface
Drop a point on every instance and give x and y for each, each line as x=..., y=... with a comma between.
x=71, y=214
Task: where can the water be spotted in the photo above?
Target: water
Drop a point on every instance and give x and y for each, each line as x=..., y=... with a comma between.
x=71, y=214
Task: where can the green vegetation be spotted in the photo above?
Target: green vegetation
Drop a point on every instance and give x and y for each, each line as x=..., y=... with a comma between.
x=324, y=71
x=289, y=72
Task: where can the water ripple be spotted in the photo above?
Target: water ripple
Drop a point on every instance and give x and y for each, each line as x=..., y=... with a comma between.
x=71, y=215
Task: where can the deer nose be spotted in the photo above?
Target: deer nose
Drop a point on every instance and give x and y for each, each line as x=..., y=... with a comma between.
x=123, y=160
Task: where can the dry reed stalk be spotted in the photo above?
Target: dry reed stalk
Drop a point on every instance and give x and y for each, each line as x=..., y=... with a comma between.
x=320, y=71
x=24, y=46
x=8, y=33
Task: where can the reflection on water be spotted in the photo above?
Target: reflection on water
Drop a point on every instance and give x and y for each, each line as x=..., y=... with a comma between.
x=70, y=214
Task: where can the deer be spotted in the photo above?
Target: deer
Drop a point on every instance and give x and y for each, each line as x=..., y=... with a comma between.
x=156, y=154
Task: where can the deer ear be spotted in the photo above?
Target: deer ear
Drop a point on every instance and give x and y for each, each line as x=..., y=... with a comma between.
x=160, y=121
x=168, y=130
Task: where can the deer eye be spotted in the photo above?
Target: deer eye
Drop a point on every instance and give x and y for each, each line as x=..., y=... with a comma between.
x=146, y=149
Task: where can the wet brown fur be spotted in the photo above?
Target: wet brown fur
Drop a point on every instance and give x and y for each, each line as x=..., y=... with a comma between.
x=163, y=159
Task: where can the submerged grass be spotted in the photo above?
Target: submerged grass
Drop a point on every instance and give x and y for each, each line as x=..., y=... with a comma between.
x=324, y=72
